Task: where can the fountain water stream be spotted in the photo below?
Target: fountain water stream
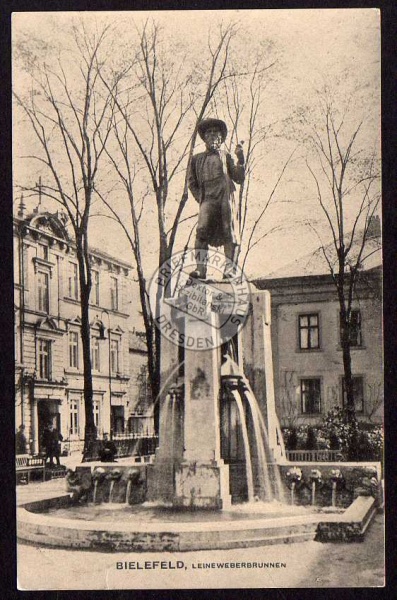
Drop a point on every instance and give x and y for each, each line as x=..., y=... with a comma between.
x=248, y=461
x=270, y=487
x=270, y=464
x=265, y=491
x=95, y=491
x=111, y=491
x=128, y=491
x=313, y=493
x=333, y=499
x=173, y=414
x=166, y=408
x=293, y=484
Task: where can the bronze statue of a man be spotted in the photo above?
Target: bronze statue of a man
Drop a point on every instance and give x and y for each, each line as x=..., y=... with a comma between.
x=211, y=181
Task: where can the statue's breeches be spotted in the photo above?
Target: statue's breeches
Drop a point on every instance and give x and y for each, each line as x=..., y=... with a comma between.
x=214, y=225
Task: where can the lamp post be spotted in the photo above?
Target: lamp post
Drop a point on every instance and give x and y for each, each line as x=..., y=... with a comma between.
x=103, y=337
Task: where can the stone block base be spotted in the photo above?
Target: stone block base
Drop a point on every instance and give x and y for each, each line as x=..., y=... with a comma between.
x=202, y=485
x=351, y=526
x=160, y=482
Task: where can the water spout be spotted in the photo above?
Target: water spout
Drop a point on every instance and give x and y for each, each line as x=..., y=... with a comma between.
x=133, y=478
x=294, y=476
x=98, y=475
x=114, y=475
x=315, y=478
x=336, y=478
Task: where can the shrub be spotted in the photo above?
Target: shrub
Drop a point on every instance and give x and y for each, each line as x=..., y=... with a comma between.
x=334, y=442
x=363, y=443
x=334, y=433
x=336, y=429
x=364, y=449
x=375, y=442
x=290, y=438
x=311, y=440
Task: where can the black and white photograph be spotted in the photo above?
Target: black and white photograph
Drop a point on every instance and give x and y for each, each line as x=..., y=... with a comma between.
x=198, y=323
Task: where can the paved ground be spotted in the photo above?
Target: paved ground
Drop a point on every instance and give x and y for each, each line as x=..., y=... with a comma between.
x=301, y=565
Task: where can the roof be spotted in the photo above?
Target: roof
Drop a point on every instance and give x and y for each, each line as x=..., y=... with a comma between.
x=137, y=341
x=110, y=258
x=54, y=225
x=315, y=263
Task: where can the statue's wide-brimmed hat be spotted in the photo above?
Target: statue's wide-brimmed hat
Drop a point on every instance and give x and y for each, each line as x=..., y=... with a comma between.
x=207, y=123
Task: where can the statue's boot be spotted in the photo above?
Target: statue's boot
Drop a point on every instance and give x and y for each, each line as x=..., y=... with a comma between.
x=231, y=252
x=201, y=265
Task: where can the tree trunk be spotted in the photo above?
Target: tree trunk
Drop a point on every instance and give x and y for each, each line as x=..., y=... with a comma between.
x=156, y=380
x=348, y=378
x=348, y=386
x=150, y=327
x=90, y=431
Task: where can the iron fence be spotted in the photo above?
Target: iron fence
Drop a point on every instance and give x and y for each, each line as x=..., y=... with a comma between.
x=135, y=444
x=314, y=455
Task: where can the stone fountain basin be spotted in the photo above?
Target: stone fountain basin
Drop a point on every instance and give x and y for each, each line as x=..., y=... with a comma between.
x=39, y=523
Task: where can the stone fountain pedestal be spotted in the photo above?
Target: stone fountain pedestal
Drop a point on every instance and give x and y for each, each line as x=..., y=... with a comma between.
x=202, y=478
x=188, y=470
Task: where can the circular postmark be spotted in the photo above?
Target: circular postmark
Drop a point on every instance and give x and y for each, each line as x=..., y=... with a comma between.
x=199, y=314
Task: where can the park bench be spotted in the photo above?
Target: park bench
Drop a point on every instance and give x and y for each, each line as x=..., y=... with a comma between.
x=25, y=464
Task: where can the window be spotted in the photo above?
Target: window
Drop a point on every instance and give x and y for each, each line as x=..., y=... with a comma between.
x=42, y=251
x=44, y=366
x=114, y=356
x=95, y=358
x=310, y=396
x=43, y=292
x=96, y=413
x=74, y=417
x=26, y=253
x=309, y=337
x=95, y=288
x=114, y=293
x=73, y=349
x=358, y=394
x=117, y=418
x=73, y=286
x=355, y=329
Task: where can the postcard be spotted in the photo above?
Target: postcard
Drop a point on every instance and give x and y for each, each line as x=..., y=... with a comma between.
x=198, y=299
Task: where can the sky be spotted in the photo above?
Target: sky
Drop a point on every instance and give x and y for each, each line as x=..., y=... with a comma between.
x=311, y=47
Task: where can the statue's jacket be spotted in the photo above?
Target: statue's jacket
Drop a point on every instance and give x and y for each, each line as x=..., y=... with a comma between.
x=211, y=180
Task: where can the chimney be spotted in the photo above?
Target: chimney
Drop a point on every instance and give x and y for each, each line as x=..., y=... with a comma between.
x=21, y=207
x=39, y=186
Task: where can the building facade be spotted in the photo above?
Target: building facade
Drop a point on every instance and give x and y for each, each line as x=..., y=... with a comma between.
x=141, y=416
x=307, y=353
x=48, y=348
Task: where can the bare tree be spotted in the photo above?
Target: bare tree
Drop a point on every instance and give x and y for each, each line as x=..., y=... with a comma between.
x=374, y=398
x=71, y=117
x=288, y=399
x=243, y=98
x=160, y=101
x=346, y=179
